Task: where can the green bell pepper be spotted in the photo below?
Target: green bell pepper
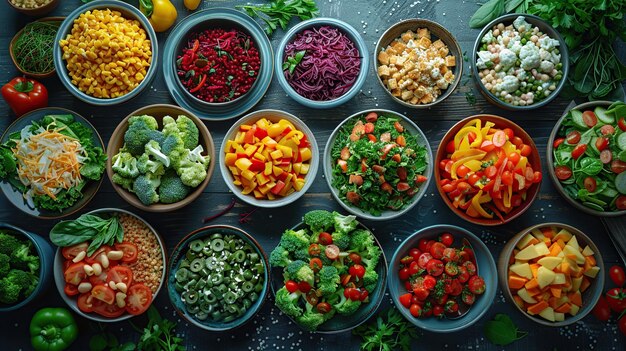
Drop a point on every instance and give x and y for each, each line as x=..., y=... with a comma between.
x=53, y=329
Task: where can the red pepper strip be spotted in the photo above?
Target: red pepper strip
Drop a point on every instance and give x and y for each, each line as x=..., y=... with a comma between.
x=495, y=210
x=200, y=85
x=496, y=186
x=196, y=46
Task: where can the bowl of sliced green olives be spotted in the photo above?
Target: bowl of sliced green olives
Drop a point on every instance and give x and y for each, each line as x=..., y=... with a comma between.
x=218, y=277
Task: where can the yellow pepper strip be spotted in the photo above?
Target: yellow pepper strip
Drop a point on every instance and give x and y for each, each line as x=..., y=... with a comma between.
x=476, y=122
x=464, y=132
x=473, y=165
x=163, y=15
x=506, y=198
x=485, y=130
x=456, y=164
x=465, y=153
x=477, y=200
x=523, y=161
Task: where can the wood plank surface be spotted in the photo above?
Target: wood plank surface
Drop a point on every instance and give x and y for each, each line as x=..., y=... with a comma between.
x=270, y=330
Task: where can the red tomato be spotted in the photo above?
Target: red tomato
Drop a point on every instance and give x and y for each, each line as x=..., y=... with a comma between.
x=438, y=311
x=352, y=294
x=72, y=251
x=602, y=143
x=590, y=118
x=563, y=172
x=491, y=171
x=434, y=267
x=120, y=274
x=620, y=202
x=517, y=141
x=601, y=310
x=414, y=268
x=437, y=250
x=75, y=273
x=138, y=299
x=422, y=245
x=85, y=302
x=314, y=250
x=416, y=310
x=590, y=184
x=525, y=150
x=98, y=279
x=421, y=293
x=325, y=238
x=315, y=264
x=537, y=176
x=451, y=269
x=606, y=156
x=332, y=252
x=621, y=324
x=470, y=267
x=108, y=310
x=617, y=275
x=607, y=129
x=130, y=251
x=450, y=255
x=291, y=286
x=476, y=285
x=616, y=298
x=462, y=171
x=424, y=259
x=487, y=146
x=618, y=166
x=430, y=282
x=499, y=138
x=579, y=150
x=323, y=307
x=363, y=296
x=473, y=179
x=357, y=270
x=404, y=274
x=457, y=288
x=92, y=259
x=573, y=137
x=103, y=293
x=463, y=275
x=405, y=300
x=415, y=253
x=468, y=298
x=558, y=142
x=509, y=133
x=355, y=258
x=507, y=178
x=303, y=286
x=71, y=290
x=446, y=239
x=451, y=306
x=621, y=123
x=450, y=147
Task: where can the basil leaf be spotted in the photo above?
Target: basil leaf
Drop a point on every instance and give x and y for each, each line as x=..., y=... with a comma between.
x=590, y=166
x=489, y=11
x=68, y=233
x=512, y=5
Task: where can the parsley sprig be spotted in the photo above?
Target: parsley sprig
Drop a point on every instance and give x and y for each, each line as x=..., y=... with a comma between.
x=390, y=331
x=293, y=61
x=278, y=13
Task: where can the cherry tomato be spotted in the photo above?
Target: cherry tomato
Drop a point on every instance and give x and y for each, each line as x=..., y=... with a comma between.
x=332, y=252
x=99, y=279
x=314, y=250
x=590, y=118
x=450, y=147
x=507, y=178
x=487, y=146
x=421, y=293
x=434, y=267
x=476, y=285
x=468, y=298
x=72, y=251
x=578, y=151
x=606, y=156
x=438, y=311
x=405, y=300
x=620, y=202
x=312, y=298
x=509, y=133
x=437, y=250
x=323, y=307
x=414, y=268
x=406, y=260
x=291, y=286
x=590, y=184
x=473, y=179
x=491, y=171
x=537, y=178
x=470, y=267
x=71, y=290
x=404, y=274
x=607, y=129
x=621, y=123
x=525, y=150
x=450, y=255
x=85, y=302
x=602, y=143
x=422, y=244
x=616, y=273
x=514, y=158
x=451, y=269
x=325, y=238
x=120, y=274
x=424, y=259
x=138, y=299
x=451, y=306
x=446, y=239
x=618, y=166
x=517, y=141
x=355, y=294
x=75, y=273
x=499, y=138
x=463, y=275
x=621, y=324
x=104, y=249
x=429, y=282
x=364, y=295
x=573, y=137
x=103, y=293
x=601, y=310
x=315, y=264
x=563, y=172
x=415, y=253
x=130, y=251
x=462, y=171
x=558, y=142
x=303, y=286
x=357, y=270
x=616, y=298
x=107, y=310
x=416, y=310
x=355, y=258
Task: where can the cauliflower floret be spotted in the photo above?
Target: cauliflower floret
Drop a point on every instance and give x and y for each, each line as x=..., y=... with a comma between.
x=515, y=46
x=521, y=25
x=548, y=43
x=483, y=58
x=556, y=58
x=487, y=38
x=521, y=74
x=529, y=54
x=544, y=54
x=509, y=84
x=507, y=58
x=546, y=66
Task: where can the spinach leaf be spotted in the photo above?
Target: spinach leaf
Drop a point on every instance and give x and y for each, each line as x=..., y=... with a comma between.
x=590, y=166
x=502, y=331
x=87, y=227
x=68, y=233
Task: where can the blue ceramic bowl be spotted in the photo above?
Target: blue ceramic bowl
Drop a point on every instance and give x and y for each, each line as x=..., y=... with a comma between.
x=486, y=269
x=217, y=18
x=44, y=250
x=128, y=11
x=339, y=323
x=179, y=253
x=351, y=33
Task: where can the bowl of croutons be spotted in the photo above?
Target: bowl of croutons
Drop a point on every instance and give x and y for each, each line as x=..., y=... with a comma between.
x=418, y=62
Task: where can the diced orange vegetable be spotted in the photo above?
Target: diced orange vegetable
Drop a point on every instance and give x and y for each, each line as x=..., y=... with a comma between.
x=564, y=308
x=575, y=298
x=585, y=284
x=518, y=301
x=531, y=284
x=556, y=292
x=538, y=307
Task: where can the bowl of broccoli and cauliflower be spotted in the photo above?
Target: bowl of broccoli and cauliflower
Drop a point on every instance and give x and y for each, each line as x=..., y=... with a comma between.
x=160, y=158
x=25, y=261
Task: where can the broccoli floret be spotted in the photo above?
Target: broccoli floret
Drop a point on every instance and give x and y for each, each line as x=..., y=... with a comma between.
x=195, y=155
x=8, y=163
x=361, y=240
x=312, y=319
x=169, y=126
x=293, y=240
x=145, y=187
x=288, y=302
x=279, y=257
x=188, y=131
x=149, y=121
x=137, y=136
x=344, y=224
x=8, y=243
x=25, y=281
x=319, y=220
x=172, y=188
x=126, y=183
x=341, y=239
x=346, y=306
x=370, y=279
x=371, y=258
x=154, y=149
x=191, y=173
x=146, y=165
x=302, y=254
x=174, y=149
x=329, y=279
x=9, y=292
x=5, y=266
x=300, y=271
x=22, y=259
x=125, y=165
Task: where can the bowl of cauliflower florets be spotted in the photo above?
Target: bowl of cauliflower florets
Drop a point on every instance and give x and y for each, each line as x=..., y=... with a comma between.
x=520, y=62
x=160, y=158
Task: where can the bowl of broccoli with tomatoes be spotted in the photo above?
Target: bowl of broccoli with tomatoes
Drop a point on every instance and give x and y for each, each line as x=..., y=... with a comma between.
x=330, y=272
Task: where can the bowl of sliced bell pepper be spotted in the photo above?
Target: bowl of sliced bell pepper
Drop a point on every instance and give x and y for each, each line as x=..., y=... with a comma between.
x=489, y=170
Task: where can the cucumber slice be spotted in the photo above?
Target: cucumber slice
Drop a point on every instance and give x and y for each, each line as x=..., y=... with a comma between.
x=620, y=183
x=593, y=206
x=608, y=194
x=621, y=141
x=603, y=116
x=577, y=118
x=622, y=155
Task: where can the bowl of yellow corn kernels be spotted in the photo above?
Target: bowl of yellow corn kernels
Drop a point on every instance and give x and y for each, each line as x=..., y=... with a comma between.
x=106, y=52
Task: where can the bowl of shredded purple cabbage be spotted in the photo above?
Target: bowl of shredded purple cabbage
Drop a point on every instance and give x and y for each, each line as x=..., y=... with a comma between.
x=322, y=63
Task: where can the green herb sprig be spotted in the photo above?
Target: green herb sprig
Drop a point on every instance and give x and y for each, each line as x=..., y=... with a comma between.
x=33, y=48
x=293, y=61
x=278, y=13
x=88, y=227
x=502, y=331
x=389, y=331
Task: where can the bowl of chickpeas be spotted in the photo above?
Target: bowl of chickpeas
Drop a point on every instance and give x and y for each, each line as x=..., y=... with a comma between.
x=106, y=52
x=34, y=7
x=520, y=62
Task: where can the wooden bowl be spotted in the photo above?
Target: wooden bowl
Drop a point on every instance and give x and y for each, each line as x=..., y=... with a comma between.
x=159, y=111
x=17, y=35
x=533, y=160
x=589, y=297
x=39, y=11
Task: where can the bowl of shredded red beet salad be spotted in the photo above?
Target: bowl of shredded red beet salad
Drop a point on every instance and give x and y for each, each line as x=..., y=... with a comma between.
x=218, y=65
x=322, y=63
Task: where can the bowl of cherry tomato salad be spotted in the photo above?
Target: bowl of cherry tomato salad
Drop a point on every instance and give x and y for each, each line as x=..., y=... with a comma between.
x=116, y=282
x=587, y=157
x=377, y=164
x=439, y=273
x=488, y=170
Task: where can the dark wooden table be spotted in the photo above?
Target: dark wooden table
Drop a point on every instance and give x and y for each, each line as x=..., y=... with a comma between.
x=271, y=330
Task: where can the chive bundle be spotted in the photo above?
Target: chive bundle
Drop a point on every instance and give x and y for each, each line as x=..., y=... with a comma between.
x=33, y=48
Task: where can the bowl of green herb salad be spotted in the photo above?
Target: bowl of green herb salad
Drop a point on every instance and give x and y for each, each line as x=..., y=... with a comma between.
x=587, y=157
x=378, y=164
x=51, y=162
x=31, y=47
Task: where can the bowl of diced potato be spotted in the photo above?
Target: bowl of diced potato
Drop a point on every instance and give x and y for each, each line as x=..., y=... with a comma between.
x=106, y=52
x=418, y=62
x=269, y=158
x=552, y=272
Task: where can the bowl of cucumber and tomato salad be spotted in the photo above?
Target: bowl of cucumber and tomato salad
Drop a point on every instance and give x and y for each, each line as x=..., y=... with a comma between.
x=377, y=164
x=587, y=157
